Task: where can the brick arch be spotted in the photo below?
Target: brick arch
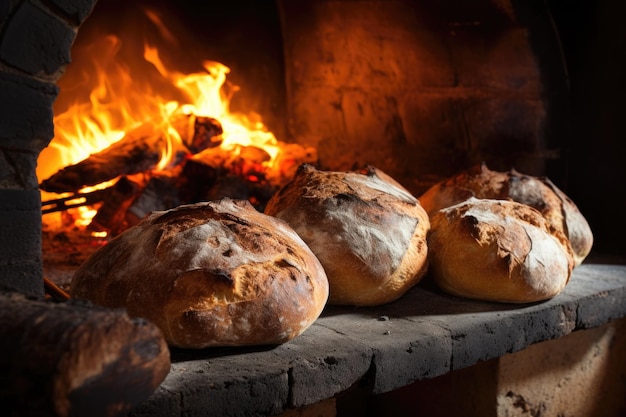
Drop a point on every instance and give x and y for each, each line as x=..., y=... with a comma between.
x=35, y=42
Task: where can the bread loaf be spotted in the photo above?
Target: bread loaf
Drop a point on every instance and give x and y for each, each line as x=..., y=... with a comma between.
x=539, y=193
x=498, y=250
x=209, y=274
x=368, y=232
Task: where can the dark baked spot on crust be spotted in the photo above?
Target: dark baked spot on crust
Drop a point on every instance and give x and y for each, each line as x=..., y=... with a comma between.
x=347, y=197
x=286, y=264
x=223, y=277
x=471, y=224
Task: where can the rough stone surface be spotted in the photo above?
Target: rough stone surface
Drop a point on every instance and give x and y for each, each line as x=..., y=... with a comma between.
x=231, y=384
x=372, y=79
x=17, y=168
x=482, y=336
x=585, y=372
x=598, y=301
x=26, y=109
x=36, y=42
x=422, y=349
x=77, y=9
x=20, y=222
x=324, y=356
x=423, y=335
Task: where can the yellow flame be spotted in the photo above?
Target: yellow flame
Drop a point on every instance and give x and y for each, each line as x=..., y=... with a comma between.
x=207, y=98
x=117, y=104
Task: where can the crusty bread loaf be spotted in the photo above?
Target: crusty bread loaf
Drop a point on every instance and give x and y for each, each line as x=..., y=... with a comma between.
x=537, y=192
x=209, y=274
x=498, y=250
x=368, y=232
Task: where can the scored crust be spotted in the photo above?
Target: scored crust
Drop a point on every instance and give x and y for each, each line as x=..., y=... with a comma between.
x=209, y=274
x=537, y=192
x=368, y=232
x=498, y=250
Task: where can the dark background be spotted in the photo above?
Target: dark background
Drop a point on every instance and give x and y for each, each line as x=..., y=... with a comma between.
x=593, y=36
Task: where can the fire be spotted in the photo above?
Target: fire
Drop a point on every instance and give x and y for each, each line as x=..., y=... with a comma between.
x=207, y=98
x=120, y=103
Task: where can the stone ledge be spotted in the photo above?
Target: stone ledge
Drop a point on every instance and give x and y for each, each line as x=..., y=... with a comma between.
x=423, y=335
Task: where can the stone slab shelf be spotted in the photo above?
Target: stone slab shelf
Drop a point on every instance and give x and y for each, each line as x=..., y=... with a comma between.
x=423, y=335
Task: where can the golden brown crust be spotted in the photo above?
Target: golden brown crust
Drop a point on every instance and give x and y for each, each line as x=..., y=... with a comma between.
x=210, y=274
x=537, y=192
x=498, y=250
x=368, y=232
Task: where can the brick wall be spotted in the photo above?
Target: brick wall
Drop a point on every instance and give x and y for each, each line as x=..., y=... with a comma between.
x=425, y=89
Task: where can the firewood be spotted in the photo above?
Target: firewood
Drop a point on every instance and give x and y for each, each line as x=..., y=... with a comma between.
x=206, y=134
x=160, y=193
x=196, y=179
x=231, y=186
x=111, y=216
x=75, y=200
x=53, y=291
x=139, y=150
x=71, y=358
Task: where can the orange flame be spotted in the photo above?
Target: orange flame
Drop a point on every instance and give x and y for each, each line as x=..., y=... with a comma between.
x=119, y=103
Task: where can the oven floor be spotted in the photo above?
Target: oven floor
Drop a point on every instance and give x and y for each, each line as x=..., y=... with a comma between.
x=425, y=334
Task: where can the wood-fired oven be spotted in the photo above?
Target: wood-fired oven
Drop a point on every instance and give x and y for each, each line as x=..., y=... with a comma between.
x=421, y=89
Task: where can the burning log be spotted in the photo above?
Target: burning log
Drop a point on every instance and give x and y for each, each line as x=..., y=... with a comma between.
x=77, y=200
x=140, y=150
x=160, y=193
x=111, y=216
x=71, y=358
x=231, y=186
x=241, y=172
x=196, y=179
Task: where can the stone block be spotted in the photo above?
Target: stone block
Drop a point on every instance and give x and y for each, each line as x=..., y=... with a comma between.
x=404, y=348
x=20, y=222
x=36, y=42
x=18, y=169
x=26, y=109
x=78, y=9
x=321, y=355
x=232, y=385
x=25, y=277
x=582, y=374
x=597, y=307
x=20, y=225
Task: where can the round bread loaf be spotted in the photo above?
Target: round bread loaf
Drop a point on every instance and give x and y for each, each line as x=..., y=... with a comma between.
x=209, y=274
x=368, y=232
x=497, y=250
x=537, y=192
